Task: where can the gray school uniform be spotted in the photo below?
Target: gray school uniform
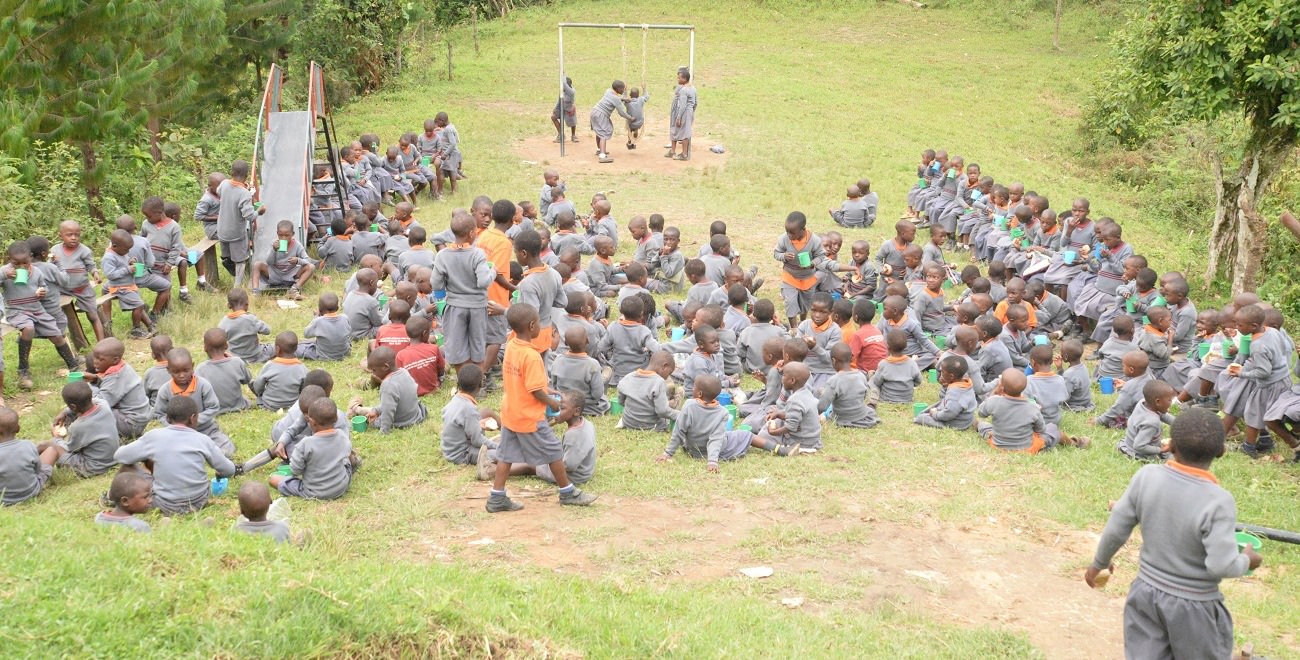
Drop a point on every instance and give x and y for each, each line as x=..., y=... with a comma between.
x=955, y=409
x=365, y=242
x=448, y=150
x=701, y=432
x=1157, y=348
x=278, y=384
x=761, y=402
x=1111, y=355
x=235, y=214
x=798, y=300
x=647, y=247
x=206, y=212
x=321, y=466
x=154, y=379
x=278, y=530
x=545, y=198
x=579, y=444
x=606, y=226
x=563, y=240
x=626, y=347
x=1265, y=378
x=464, y=273
x=130, y=522
x=929, y=309
x=1018, y=346
x=1184, y=327
x=180, y=458
x=291, y=428
x=280, y=273
x=461, y=436
x=627, y=291
x=973, y=374
x=1142, y=436
x=994, y=359
x=1079, y=387
x=77, y=266
x=667, y=270
x=701, y=292
x=1016, y=420
x=553, y=210
x=119, y=277
x=1052, y=313
x=600, y=277
x=242, y=332
x=331, y=336
x=165, y=241
x=1128, y=398
x=23, y=309
x=932, y=254
x=56, y=284
x=335, y=253
x=897, y=379
x=1174, y=607
x=228, y=376
x=845, y=394
x=129, y=402
x=802, y=422
x=890, y=254
x=362, y=312
x=541, y=287
x=681, y=114
x=608, y=104
x=819, y=355
x=715, y=267
x=697, y=364
x=209, y=408
x=1050, y=392
x=415, y=257
x=399, y=402
x=644, y=395
x=636, y=110
x=22, y=475
x=852, y=213
x=918, y=345
x=580, y=373
x=735, y=320
x=91, y=441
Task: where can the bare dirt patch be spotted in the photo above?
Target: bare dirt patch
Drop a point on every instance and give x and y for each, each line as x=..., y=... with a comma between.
x=647, y=158
x=986, y=572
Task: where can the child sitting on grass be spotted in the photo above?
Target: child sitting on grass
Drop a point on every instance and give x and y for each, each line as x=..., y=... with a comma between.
x=24, y=471
x=90, y=433
x=1136, y=377
x=956, y=409
x=322, y=464
x=898, y=375
x=117, y=385
x=278, y=383
x=1174, y=606
x=156, y=377
x=185, y=384
x=422, y=358
x=130, y=493
x=1076, y=378
x=290, y=429
x=254, y=502
x=579, y=444
x=795, y=424
x=1047, y=388
x=994, y=356
x=853, y=212
x=1017, y=424
x=701, y=430
x=844, y=395
x=330, y=331
x=629, y=344
x=399, y=402
x=227, y=374
x=706, y=359
x=820, y=333
x=361, y=307
x=463, y=420
x=575, y=371
x=751, y=340
x=242, y=329
x=393, y=333
x=335, y=251
x=179, y=457
x=644, y=394
x=1142, y=436
x=1156, y=341
x=1112, y=352
x=917, y=345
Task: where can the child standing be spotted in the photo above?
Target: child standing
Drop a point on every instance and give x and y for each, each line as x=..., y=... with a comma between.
x=280, y=381
x=243, y=328
x=399, y=399
x=800, y=253
x=227, y=374
x=185, y=384
x=681, y=116
x=956, y=409
x=235, y=218
x=180, y=457
x=540, y=286
x=462, y=270
x=23, y=289
x=1262, y=368
x=78, y=266
x=1174, y=607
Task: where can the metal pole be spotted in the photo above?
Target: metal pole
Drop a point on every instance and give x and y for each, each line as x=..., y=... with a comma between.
x=562, y=91
x=692, y=62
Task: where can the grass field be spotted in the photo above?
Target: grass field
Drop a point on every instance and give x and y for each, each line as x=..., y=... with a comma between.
x=893, y=542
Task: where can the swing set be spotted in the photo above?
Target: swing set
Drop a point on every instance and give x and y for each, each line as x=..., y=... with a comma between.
x=622, y=29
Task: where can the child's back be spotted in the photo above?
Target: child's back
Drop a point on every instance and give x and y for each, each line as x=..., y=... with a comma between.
x=92, y=440
x=1142, y=435
x=332, y=337
x=1017, y=424
x=322, y=461
x=278, y=530
x=846, y=394
x=1050, y=392
x=362, y=312
x=579, y=372
x=627, y=347
x=399, y=402
x=750, y=345
x=336, y=253
x=461, y=434
x=181, y=457
x=242, y=330
x=897, y=378
x=22, y=475
x=1080, y=388
x=278, y=383
x=1111, y=354
x=644, y=396
x=227, y=375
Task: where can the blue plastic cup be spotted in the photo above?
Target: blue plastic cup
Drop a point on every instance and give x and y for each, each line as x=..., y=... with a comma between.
x=1040, y=340
x=1107, y=385
x=219, y=486
x=193, y=257
x=678, y=333
x=1029, y=370
x=439, y=294
x=835, y=295
x=724, y=399
x=1068, y=257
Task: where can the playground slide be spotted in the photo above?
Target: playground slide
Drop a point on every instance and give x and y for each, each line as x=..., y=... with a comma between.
x=284, y=173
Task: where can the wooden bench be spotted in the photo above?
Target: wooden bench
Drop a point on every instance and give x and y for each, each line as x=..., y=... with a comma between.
x=76, y=331
x=208, y=259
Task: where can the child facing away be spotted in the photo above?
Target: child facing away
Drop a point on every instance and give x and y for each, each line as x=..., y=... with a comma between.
x=118, y=386
x=1076, y=378
x=24, y=471
x=243, y=329
x=525, y=436
x=1136, y=376
x=854, y=211
x=23, y=289
x=795, y=424
x=1142, y=436
x=575, y=371
x=1017, y=423
x=335, y=251
x=1046, y=387
x=579, y=442
x=701, y=430
x=131, y=493
x=843, y=397
x=866, y=344
x=330, y=332
x=399, y=402
x=629, y=343
x=292, y=427
x=227, y=374
x=422, y=359
x=88, y=432
x=1174, y=606
x=280, y=381
x=184, y=383
x=285, y=264
x=800, y=253
x=462, y=270
x=254, y=502
x=235, y=218
x=1112, y=352
x=463, y=421
x=897, y=376
x=644, y=394
x=180, y=457
x=322, y=464
x=956, y=408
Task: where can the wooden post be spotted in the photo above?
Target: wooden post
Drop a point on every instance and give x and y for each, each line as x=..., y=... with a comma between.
x=474, y=19
x=1056, y=34
x=449, y=77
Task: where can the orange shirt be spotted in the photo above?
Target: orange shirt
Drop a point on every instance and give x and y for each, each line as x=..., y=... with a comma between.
x=522, y=373
x=497, y=247
x=786, y=277
x=1001, y=312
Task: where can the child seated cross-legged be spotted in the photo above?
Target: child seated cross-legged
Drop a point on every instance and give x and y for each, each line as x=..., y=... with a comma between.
x=776, y=352
x=463, y=422
x=898, y=375
x=1017, y=424
x=278, y=383
x=644, y=394
x=89, y=432
x=336, y=251
x=180, y=457
x=629, y=343
x=1076, y=378
x=24, y=471
x=254, y=502
x=701, y=430
x=399, y=401
x=1136, y=377
x=290, y=429
x=393, y=333
x=844, y=395
x=1174, y=606
x=525, y=436
x=131, y=492
x=579, y=443
x=322, y=464
x=795, y=424
x=361, y=307
x=956, y=409
x=706, y=359
x=227, y=374
x=575, y=371
x=184, y=383
x=918, y=345
x=242, y=329
x=118, y=386
x=1047, y=388
x=330, y=332
x=1112, y=351
x=1142, y=436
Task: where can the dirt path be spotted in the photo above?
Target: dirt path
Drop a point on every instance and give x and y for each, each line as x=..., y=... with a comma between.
x=987, y=573
x=647, y=158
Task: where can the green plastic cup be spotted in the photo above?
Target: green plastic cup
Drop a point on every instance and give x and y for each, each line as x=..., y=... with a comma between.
x=139, y=269
x=1025, y=244
x=746, y=428
x=880, y=310
x=919, y=408
x=1247, y=539
x=1203, y=349
x=615, y=406
x=1160, y=302
x=805, y=259
x=359, y=424
x=284, y=470
x=76, y=376
x=438, y=339
x=440, y=305
x=1130, y=305
x=932, y=375
x=374, y=226
x=383, y=299
x=1245, y=346
x=1224, y=346
x=941, y=341
x=21, y=275
x=424, y=161
x=283, y=245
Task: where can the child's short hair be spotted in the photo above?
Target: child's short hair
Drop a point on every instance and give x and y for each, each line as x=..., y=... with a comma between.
x=988, y=325
x=417, y=328
x=1154, y=390
x=1198, y=435
x=180, y=409
x=632, y=309
x=339, y=226
x=1017, y=313
x=1146, y=279
x=319, y=378
x=254, y=500
x=172, y=210
x=1157, y=314
x=896, y=340
x=955, y=366
x=398, y=311
x=128, y=483
x=1013, y=381
x=469, y=379
x=417, y=235
x=716, y=227
x=694, y=268
x=822, y=298
x=710, y=315
x=737, y=295
x=968, y=311
x=841, y=353
x=77, y=395
x=324, y=412
x=160, y=346
x=1041, y=354
x=719, y=242
x=707, y=387
x=635, y=272
x=236, y=298
x=864, y=311
x=796, y=220
x=841, y=309
x=703, y=331
x=328, y=302
x=656, y=222
x=795, y=350
x=287, y=342
x=981, y=285
x=1122, y=325
x=39, y=247
x=1072, y=350
x=997, y=270
x=575, y=398
x=648, y=309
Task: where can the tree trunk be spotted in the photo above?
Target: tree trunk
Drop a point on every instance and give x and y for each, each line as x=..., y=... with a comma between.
x=1239, y=235
x=1056, y=34
x=89, y=180
x=155, y=131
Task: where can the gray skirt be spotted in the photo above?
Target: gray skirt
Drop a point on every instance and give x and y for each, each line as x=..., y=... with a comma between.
x=684, y=131
x=1286, y=407
x=601, y=124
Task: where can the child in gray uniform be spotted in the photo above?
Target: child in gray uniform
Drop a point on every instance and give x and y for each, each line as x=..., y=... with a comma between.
x=78, y=266
x=706, y=359
x=180, y=456
x=330, y=331
x=1142, y=436
x=235, y=216
x=601, y=114
x=1136, y=376
x=52, y=278
x=565, y=113
x=164, y=235
x=644, y=394
x=1112, y=352
x=636, y=110
x=629, y=344
x=24, y=471
x=361, y=307
x=462, y=270
x=844, y=396
x=897, y=376
x=462, y=421
x=1076, y=377
x=752, y=338
x=184, y=383
x=956, y=410
x=681, y=116
x=323, y=463
x=131, y=492
x=23, y=310
x=821, y=333
x=918, y=344
x=243, y=328
x=1174, y=607
x=795, y=248
x=335, y=251
x=1047, y=388
x=399, y=401
x=579, y=443
x=285, y=264
x=90, y=432
x=575, y=371
x=227, y=374
x=853, y=212
x=1017, y=423
x=254, y=502
x=701, y=430
x=796, y=424
x=279, y=383
x=117, y=385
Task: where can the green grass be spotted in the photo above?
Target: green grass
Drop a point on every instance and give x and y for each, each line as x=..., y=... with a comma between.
x=807, y=98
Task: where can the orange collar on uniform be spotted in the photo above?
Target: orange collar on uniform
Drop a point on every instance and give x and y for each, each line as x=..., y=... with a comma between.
x=963, y=384
x=895, y=359
x=627, y=322
x=343, y=237
x=603, y=260
x=823, y=327
x=238, y=184
x=236, y=314
x=117, y=367
x=900, y=321
x=177, y=390
x=467, y=396
x=706, y=404
x=933, y=294
x=281, y=360
x=645, y=372
x=1191, y=471
x=1155, y=331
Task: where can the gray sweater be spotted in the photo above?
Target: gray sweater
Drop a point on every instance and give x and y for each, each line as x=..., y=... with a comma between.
x=700, y=431
x=957, y=407
x=242, y=332
x=819, y=355
x=335, y=253
x=278, y=383
x=541, y=287
x=399, y=402
x=123, y=391
x=846, y=393
x=93, y=436
x=1079, y=386
x=897, y=379
x=1015, y=421
x=278, y=530
x=1142, y=435
x=321, y=462
x=751, y=345
x=228, y=377
x=580, y=452
x=461, y=434
x=1128, y=398
x=626, y=347
x=463, y=272
x=1111, y=354
x=579, y=372
x=130, y=522
x=698, y=364
x=204, y=396
x=362, y=312
x=1050, y=392
x=1187, y=520
x=20, y=469
x=802, y=422
x=332, y=334
x=235, y=211
x=644, y=395
x=181, y=457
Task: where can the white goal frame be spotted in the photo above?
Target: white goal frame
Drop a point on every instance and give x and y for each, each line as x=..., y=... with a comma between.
x=690, y=66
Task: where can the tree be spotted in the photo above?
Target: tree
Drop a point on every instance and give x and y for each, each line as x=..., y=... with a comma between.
x=1211, y=60
x=186, y=82
x=258, y=33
